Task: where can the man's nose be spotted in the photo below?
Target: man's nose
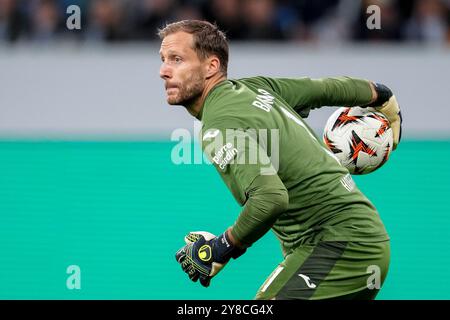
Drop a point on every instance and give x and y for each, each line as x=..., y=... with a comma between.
x=165, y=72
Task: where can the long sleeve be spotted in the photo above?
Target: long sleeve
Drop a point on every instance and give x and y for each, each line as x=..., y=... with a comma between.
x=304, y=94
x=251, y=177
x=267, y=199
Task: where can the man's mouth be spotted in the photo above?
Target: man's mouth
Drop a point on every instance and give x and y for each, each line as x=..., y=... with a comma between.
x=171, y=86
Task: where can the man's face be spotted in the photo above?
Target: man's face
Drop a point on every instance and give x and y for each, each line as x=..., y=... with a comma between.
x=181, y=69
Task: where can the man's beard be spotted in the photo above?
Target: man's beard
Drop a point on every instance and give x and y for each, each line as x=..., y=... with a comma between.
x=188, y=92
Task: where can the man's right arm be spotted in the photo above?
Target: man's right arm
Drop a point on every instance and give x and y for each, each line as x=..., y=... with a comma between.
x=304, y=94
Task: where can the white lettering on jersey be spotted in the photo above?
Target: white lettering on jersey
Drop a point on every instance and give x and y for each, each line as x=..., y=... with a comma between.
x=264, y=100
x=225, y=155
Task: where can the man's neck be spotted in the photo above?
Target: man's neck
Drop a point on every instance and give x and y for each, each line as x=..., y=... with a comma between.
x=195, y=108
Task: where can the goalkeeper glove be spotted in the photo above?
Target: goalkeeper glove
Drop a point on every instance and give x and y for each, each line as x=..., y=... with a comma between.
x=386, y=103
x=204, y=255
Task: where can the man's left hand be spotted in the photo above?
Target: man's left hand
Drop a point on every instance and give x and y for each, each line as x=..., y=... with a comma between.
x=204, y=255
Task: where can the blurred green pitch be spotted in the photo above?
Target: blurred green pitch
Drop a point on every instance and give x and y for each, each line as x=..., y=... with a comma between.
x=119, y=210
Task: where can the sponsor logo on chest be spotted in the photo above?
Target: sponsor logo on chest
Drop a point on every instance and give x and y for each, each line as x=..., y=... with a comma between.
x=225, y=155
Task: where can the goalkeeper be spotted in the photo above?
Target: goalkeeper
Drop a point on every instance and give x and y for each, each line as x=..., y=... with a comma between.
x=334, y=243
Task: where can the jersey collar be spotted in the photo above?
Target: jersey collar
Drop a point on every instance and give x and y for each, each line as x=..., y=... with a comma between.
x=221, y=83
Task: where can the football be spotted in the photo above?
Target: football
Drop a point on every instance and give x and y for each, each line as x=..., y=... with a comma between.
x=360, y=138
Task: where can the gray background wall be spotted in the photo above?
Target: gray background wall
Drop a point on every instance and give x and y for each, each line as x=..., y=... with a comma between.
x=115, y=92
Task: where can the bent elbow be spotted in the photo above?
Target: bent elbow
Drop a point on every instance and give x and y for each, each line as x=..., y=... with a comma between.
x=281, y=201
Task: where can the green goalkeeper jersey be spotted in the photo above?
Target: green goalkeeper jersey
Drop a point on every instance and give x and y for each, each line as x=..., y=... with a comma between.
x=254, y=134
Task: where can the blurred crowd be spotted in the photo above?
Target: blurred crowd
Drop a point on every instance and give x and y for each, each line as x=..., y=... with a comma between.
x=425, y=21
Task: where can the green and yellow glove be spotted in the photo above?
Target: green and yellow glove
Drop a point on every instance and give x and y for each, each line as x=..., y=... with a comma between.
x=204, y=255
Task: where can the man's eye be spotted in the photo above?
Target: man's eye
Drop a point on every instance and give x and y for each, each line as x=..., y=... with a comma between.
x=177, y=59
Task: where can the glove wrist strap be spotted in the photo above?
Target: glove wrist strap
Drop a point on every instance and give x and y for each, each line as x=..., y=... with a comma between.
x=383, y=95
x=224, y=249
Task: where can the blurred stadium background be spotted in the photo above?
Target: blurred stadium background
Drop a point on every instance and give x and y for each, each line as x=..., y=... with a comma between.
x=86, y=176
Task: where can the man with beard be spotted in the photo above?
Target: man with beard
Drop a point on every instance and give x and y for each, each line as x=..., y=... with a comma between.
x=331, y=235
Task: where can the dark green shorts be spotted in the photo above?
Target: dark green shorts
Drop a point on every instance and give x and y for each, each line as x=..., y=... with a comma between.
x=346, y=270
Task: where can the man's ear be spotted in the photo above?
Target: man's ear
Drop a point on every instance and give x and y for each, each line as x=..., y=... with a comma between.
x=213, y=66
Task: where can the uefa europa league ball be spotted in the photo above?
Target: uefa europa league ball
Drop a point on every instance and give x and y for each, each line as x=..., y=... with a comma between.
x=360, y=138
